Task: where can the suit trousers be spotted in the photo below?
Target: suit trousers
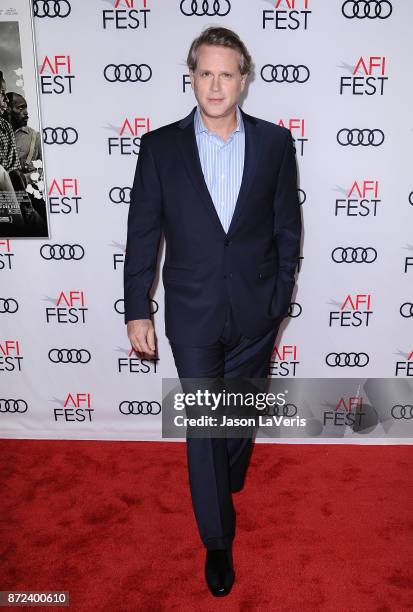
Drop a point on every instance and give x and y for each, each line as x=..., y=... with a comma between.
x=217, y=466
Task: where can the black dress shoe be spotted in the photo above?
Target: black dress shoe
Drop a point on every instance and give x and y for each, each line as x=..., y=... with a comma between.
x=219, y=572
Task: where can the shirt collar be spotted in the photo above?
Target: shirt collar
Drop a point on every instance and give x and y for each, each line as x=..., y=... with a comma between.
x=23, y=128
x=200, y=126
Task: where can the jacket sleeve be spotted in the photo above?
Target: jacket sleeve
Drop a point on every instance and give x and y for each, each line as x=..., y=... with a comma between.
x=287, y=229
x=143, y=235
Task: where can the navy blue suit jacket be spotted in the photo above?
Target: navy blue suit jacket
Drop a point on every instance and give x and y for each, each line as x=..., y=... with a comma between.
x=252, y=265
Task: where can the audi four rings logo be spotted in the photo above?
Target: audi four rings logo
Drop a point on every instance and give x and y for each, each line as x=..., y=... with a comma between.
x=356, y=137
x=354, y=255
x=351, y=360
x=288, y=410
x=125, y=72
x=302, y=196
x=211, y=8
x=69, y=355
x=60, y=135
x=406, y=310
x=402, y=412
x=285, y=74
x=118, y=195
x=294, y=310
x=9, y=305
x=47, y=8
x=140, y=407
x=12, y=405
x=370, y=9
x=62, y=251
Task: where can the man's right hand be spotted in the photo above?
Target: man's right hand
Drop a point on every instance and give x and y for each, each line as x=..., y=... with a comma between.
x=141, y=334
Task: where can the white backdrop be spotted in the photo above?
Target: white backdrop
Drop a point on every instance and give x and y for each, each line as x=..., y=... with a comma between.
x=368, y=55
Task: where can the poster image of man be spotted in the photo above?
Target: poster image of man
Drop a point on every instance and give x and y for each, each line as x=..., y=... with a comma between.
x=22, y=201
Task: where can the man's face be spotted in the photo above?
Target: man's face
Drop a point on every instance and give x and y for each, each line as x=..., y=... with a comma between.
x=217, y=81
x=19, y=115
x=3, y=99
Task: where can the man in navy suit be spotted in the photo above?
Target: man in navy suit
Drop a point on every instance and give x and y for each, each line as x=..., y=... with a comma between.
x=222, y=186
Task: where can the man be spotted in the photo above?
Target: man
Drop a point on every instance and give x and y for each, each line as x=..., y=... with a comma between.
x=14, y=178
x=28, y=143
x=10, y=212
x=8, y=153
x=221, y=184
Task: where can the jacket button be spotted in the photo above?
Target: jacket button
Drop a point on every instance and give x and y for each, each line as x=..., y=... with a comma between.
x=227, y=242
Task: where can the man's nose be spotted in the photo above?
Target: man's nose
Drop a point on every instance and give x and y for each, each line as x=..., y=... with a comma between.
x=216, y=83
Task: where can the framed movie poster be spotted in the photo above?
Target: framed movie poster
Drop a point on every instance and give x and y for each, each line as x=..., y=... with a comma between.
x=23, y=195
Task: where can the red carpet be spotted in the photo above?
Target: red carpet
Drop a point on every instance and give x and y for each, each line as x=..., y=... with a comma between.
x=319, y=527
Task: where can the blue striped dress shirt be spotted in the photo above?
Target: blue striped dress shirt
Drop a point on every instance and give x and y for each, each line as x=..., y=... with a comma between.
x=222, y=164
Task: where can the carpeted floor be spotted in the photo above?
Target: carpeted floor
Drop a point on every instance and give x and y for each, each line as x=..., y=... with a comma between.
x=319, y=527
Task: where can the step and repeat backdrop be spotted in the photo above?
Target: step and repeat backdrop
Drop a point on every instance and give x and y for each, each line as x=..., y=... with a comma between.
x=338, y=75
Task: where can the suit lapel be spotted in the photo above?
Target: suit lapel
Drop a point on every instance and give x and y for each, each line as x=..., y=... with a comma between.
x=250, y=167
x=189, y=150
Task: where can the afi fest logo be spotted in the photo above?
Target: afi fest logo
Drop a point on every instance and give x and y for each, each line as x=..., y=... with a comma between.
x=408, y=260
x=70, y=307
x=11, y=357
x=404, y=367
x=60, y=77
x=64, y=196
x=128, y=138
x=77, y=407
x=132, y=363
x=367, y=78
x=118, y=258
x=286, y=15
x=354, y=312
x=297, y=129
x=6, y=255
x=361, y=200
x=126, y=15
x=284, y=360
x=347, y=411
